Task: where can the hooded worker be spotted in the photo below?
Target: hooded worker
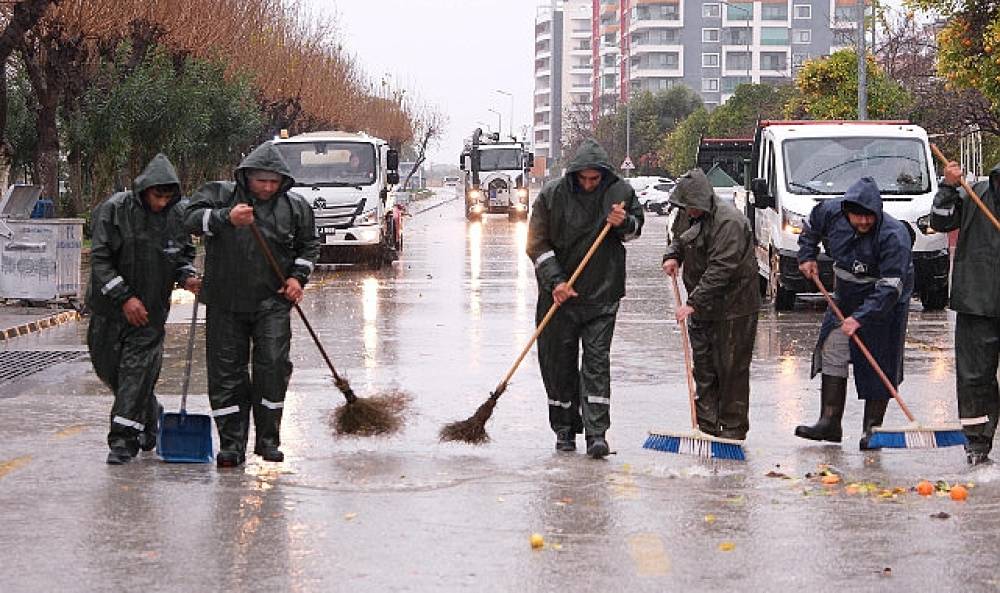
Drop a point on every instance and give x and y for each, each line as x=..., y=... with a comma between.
x=872, y=262
x=139, y=252
x=713, y=243
x=566, y=218
x=248, y=307
x=975, y=298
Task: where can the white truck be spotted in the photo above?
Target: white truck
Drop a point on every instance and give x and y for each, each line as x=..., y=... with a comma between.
x=348, y=178
x=797, y=164
x=496, y=176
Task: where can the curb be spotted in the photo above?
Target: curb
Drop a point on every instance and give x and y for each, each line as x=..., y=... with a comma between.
x=38, y=325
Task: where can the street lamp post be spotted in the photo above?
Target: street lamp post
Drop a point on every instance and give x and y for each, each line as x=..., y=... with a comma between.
x=862, y=64
x=499, y=120
x=510, y=122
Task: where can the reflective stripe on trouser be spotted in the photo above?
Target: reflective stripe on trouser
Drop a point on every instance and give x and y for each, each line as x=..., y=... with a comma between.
x=722, y=350
x=128, y=360
x=232, y=391
x=977, y=349
x=578, y=388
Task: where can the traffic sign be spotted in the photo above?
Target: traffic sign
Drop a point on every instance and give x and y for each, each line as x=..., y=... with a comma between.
x=627, y=164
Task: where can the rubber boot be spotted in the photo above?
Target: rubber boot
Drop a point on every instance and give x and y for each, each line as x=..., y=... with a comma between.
x=119, y=456
x=833, y=396
x=566, y=440
x=597, y=447
x=874, y=413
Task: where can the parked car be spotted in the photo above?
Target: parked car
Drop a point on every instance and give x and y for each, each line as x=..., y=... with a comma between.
x=658, y=197
x=645, y=187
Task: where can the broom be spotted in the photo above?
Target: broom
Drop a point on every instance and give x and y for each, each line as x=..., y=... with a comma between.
x=473, y=429
x=972, y=194
x=914, y=436
x=695, y=442
x=359, y=415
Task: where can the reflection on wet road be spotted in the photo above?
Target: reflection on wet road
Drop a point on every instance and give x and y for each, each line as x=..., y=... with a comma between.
x=408, y=513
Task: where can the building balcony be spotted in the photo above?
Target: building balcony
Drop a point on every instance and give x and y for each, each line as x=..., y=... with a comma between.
x=635, y=25
x=546, y=71
x=657, y=73
x=638, y=50
x=542, y=91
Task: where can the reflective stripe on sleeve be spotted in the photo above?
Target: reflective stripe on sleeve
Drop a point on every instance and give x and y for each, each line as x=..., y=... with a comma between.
x=943, y=211
x=204, y=222
x=225, y=411
x=593, y=399
x=129, y=423
x=272, y=405
x=565, y=405
x=895, y=283
x=305, y=263
x=974, y=421
x=112, y=284
x=543, y=257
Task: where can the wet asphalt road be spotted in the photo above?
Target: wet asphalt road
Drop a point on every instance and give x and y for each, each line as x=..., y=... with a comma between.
x=406, y=513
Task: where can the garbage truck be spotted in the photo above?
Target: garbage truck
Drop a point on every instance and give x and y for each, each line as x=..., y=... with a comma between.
x=496, y=176
x=795, y=165
x=348, y=178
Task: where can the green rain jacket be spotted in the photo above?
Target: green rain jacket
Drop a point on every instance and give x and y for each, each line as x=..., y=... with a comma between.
x=136, y=252
x=565, y=221
x=975, y=280
x=717, y=252
x=237, y=275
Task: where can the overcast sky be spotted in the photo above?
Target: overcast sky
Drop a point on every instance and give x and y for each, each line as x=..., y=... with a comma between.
x=454, y=54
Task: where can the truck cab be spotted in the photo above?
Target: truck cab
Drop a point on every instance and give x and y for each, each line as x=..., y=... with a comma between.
x=347, y=178
x=797, y=164
x=496, y=177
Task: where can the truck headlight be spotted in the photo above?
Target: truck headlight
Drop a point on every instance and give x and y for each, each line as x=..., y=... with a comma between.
x=476, y=194
x=522, y=192
x=792, y=222
x=369, y=217
x=924, y=224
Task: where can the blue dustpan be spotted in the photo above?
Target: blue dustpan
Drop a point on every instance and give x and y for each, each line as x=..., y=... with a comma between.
x=183, y=437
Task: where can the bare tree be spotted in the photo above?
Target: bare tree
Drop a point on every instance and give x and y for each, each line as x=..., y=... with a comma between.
x=428, y=127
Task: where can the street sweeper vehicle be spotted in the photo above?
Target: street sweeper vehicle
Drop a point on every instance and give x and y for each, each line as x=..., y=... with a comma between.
x=496, y=176
x=797, y=164
x=348, y=178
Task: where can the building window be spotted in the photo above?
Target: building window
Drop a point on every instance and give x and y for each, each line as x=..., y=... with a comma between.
x=843, y=14
x=799, y=60
x=711, y=11
x=710, y=35
x=801, y=36
x=774, y=12
x=656, y=12
x=730, y=83
x=773, y=61
x=773, y=36
x=737, y=60
x=709, y=85
x=803, y=11
x=739, y=11
x=737, y=36
x=710, y=60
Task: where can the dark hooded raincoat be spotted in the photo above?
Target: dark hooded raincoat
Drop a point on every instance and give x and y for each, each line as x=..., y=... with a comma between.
x=720, y=275
x=143, y=254
x=874, y=273
x=241, y=292
x=975, y=297
x=564, y=223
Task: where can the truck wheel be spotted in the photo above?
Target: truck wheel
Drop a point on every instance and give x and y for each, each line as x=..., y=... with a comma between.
x=784, y=300
x=934, y=299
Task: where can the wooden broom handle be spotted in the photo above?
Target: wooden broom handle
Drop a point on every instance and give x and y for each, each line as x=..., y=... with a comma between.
x=502, y=386
x=686, y=341
x=864, y=350
x=972, y=193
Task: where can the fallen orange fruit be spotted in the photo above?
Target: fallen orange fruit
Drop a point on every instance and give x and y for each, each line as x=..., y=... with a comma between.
x=925, y=488
x=830, y=479
x=537, y=541
x=959, y=492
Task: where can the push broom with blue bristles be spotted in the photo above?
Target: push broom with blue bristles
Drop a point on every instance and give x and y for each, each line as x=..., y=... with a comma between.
x=695, y=442
x=914, y=435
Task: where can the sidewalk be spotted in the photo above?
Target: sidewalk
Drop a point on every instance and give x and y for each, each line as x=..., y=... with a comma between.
x=16, y=320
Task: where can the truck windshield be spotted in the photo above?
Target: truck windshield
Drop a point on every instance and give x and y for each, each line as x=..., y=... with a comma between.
x=500, y=159
x=330, y=163
x=828, y=166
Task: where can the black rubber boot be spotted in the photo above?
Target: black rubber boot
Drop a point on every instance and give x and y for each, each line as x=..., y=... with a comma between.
x=270, y=453
x=229, y=459
x=119, y=456
x=874, y=413
x=833, y=395
x=566, y=440
x=597, y=447
x=978, y=457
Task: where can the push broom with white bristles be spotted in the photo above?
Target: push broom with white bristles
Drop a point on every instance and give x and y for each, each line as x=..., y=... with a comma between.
x=694, y=442
x=913, y=436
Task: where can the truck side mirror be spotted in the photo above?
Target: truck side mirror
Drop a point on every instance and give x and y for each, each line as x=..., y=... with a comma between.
x=530, y=161
x=392, y=177
x=466, y=162
x=761, y=199
x=392, y=160
x=461, y=160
